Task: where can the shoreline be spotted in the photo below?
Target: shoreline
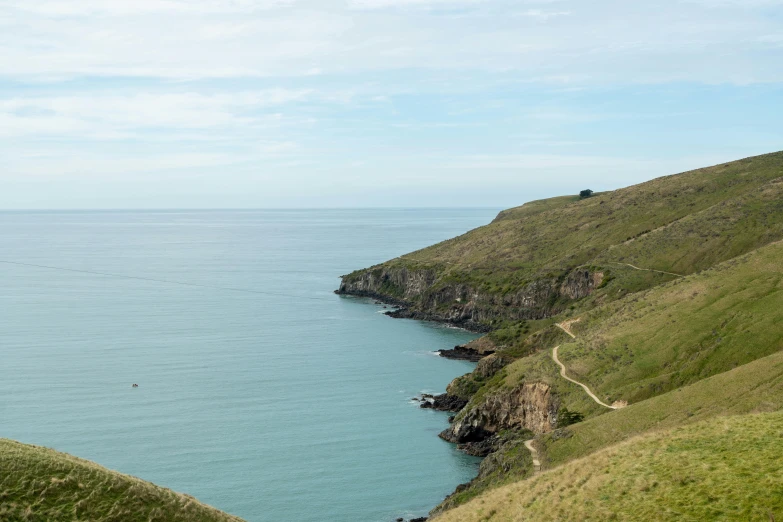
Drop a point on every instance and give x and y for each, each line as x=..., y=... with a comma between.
x=404, y=311
x=440, y=402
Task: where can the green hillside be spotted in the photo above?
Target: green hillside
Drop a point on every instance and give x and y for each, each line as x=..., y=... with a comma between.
x=566, y=232
x=544, y=257
x=673, y=293
x=656, y=340
x=751, y=388
x=42, y=485
x=718, y=331
x=726, y=468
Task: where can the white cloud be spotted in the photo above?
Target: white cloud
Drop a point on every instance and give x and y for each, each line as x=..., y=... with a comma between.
x=298, y=92
x=88, y=8
x=542, y=14
x=114, y=115
x=607, y=41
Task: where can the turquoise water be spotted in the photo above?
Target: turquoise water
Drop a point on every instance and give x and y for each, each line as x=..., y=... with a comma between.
x=260, y=392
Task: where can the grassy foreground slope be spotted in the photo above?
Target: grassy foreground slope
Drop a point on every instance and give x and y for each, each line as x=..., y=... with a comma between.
x=42, y=485
x=752, y=388
x=722, y=469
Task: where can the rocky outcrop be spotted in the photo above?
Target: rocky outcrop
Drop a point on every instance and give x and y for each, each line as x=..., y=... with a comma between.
x=461, y=353
x=443, y=402
x=421, y=295
x=490, y=365
x=394, y=284
x=530, y=406
x=481, y=448
x=474, y=351
x=581, y=283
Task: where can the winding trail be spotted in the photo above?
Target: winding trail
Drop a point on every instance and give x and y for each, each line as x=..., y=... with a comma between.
x=584, y=386
x=534, y=453
x=648, y=269
x=566, y=327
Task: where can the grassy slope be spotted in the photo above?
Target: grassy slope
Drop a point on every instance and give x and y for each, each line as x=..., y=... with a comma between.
x=682, y=331
x=628, y=349
x=722, y=469
x=754, y=387
x=675, y=334
x=40, y=484
x=680, y=223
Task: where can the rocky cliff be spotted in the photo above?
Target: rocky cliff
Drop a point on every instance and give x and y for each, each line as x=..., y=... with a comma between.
x=424, y=294
x=530, y=406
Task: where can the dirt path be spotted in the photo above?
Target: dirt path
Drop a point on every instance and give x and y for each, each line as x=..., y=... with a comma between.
x=648, y=269
x=584, y=386
x=566, y=327
x=534, y=453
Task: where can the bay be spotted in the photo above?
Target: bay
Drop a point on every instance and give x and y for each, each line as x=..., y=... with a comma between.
x=260, y=391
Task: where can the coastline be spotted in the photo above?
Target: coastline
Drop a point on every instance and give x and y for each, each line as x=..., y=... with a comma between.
x=404, y=310
x=441, y=402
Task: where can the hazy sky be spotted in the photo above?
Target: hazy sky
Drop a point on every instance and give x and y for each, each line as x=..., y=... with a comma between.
x=359, y=103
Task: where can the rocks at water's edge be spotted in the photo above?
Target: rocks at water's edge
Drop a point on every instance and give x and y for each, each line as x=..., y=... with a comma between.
x=531, y=406
x=474, y=351
x=444, y=402
x=481, y=448
x=461, y=353
x=421, y=294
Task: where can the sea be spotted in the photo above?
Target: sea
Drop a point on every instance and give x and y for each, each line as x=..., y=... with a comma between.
x=260, y=391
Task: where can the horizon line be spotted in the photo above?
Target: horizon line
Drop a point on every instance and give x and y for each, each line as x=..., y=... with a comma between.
x=243, y=209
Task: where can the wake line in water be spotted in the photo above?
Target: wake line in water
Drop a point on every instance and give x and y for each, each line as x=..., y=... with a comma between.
x=166, y=281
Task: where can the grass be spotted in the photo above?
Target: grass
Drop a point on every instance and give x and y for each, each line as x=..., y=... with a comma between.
x=680, y=348
x=654, y=341
x=682, y=224
x=694, y=347
x=42, y=485
x=722, y=469
x=682, y=331
x=754, y=387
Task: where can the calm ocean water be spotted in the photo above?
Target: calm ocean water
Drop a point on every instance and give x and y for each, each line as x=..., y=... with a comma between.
x=260, y=392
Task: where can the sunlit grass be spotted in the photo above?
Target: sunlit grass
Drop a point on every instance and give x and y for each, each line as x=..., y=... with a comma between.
x=42, y=485
x=726, y=468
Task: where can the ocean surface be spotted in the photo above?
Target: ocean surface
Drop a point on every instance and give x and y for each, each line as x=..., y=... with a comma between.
x=260, y=391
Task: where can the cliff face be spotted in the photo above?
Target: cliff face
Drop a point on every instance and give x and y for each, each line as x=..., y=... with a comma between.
x=422, y=295
x=530, y=406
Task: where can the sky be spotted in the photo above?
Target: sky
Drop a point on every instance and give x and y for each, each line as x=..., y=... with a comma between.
x=375, y=103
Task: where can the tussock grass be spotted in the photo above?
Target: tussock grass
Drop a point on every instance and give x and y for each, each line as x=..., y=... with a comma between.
x=682, y=331
x=722, y=469
x=751, y=388
x=682, y=223
x=713, y=360
x=42, y=485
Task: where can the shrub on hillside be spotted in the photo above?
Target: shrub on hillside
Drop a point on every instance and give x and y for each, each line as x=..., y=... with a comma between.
x=566, y=417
